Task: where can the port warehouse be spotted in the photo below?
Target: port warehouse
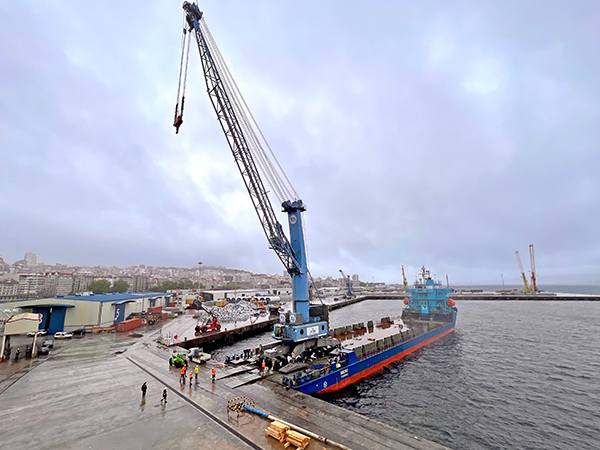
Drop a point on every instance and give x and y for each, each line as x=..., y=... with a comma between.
x=73, y=312
x=69, y=313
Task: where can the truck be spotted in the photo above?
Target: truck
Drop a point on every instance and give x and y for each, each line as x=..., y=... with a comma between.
x=196, y=355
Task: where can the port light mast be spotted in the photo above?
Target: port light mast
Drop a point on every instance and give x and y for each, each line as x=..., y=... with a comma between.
x=247, y=144
x=404, y=280
x=533, y=275
x=527, y=289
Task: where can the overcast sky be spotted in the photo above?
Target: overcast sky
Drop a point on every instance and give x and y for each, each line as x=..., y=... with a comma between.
x=442, y=133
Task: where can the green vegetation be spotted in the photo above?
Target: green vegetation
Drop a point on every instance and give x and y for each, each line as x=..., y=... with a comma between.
x=99, y=286
x=120, y=286
x=182, y=284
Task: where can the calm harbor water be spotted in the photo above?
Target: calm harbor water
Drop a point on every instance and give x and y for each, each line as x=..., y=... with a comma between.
x=513, y=375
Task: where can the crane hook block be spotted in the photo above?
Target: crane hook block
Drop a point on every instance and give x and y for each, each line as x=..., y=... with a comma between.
x=177, y=123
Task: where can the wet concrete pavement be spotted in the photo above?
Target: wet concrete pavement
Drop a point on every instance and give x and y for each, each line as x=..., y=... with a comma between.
x=87, y=395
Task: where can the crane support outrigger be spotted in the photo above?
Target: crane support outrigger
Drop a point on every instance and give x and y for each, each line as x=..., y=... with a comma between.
x=305, y=322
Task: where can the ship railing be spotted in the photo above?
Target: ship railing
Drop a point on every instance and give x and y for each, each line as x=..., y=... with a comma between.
x=308, y=376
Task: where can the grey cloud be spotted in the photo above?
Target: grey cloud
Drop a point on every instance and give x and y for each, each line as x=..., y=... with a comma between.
x=447, y=134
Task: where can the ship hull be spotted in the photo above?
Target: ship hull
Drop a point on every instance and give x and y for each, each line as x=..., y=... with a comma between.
x=362, y=368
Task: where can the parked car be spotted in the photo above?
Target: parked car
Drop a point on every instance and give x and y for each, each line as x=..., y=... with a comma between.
x=62, y=335
x=79, y=332
x=43, y=350
x=49, y=343
x=39, y=333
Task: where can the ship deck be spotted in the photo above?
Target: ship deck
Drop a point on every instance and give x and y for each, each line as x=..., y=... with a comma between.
x=358, y=337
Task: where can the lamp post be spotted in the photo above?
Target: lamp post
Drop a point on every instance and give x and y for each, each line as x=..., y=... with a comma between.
x=199, y=274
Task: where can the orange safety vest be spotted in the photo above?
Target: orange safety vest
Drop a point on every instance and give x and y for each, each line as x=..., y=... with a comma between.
x=191, y=374
x=214, y=371
x=183, y=371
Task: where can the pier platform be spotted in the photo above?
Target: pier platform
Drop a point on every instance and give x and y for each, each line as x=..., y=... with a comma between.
x=87, y=394
x=494, y=296
x=184, y=328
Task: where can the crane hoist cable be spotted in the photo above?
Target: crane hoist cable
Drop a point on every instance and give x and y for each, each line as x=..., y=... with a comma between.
x=183, y=70
x=242, y=111
x=269, y=166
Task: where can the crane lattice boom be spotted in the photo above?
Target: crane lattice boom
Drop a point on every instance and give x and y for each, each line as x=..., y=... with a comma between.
x=533, y=274
x=241, y=132
x=522, y=272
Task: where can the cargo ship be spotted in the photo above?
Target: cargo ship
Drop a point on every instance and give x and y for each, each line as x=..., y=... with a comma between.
x=429, y=315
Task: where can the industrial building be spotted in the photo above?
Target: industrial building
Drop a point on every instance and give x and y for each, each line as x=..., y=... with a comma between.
x=67, y=313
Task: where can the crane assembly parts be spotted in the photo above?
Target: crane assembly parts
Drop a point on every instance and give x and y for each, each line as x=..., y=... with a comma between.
x=527, y=289
x=305, y=323
x=533, y=275
x=349, y=292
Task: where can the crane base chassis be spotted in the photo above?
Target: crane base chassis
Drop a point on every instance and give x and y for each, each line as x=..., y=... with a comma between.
x=296, y=333
x=297, y=348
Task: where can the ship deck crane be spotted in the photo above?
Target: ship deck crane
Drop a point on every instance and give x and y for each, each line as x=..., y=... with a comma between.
x=404, y=280
x=306, y=321
x=349, y=292
x=527, y=289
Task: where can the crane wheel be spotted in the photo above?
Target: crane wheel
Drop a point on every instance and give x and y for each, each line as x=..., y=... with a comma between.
x=203, y=329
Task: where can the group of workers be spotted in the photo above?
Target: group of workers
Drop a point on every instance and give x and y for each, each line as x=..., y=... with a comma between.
x=193, y=373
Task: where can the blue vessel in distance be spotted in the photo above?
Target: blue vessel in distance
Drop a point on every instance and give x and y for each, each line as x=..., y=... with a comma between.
x=429, y=300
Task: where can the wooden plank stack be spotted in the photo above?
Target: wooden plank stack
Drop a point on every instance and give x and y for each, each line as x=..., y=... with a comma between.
x=277, y=430
x=283, y=433
x=297, y=439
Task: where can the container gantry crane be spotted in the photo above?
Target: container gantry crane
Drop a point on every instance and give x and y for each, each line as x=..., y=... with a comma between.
x=349, y=292
x=305, y=322
x=527, y=289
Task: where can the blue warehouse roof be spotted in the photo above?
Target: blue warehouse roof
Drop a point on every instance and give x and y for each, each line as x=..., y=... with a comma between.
x=50, y=305
x=120, y=298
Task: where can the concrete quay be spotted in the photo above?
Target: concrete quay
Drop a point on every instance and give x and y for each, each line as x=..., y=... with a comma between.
x=86, y=395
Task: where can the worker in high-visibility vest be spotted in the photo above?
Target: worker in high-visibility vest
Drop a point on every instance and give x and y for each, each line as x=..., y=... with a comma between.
x=196, y=373
x=214, y=373
x=182, y=377
x=191, y=376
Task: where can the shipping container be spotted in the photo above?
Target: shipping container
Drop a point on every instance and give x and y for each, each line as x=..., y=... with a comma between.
x=130, y=324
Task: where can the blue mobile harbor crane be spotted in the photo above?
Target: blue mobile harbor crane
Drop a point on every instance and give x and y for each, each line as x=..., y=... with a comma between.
x=350, y=293
x=306, y=323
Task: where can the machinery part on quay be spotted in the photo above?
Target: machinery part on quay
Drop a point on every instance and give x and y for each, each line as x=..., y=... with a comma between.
x=240, y=403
